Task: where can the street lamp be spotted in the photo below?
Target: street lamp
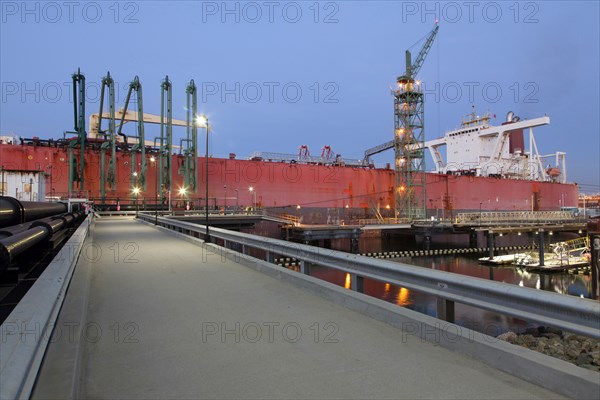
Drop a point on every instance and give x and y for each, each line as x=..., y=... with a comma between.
x=136, y=192
x=183, y=195
x=225, y=207
x=202, y=121
x=480, y=204
x=153, y=161
x=251, y=189
x=237, y=201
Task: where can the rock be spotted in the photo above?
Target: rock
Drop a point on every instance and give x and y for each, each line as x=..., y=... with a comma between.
x=527, y=340
x=509, y=337
x=590, y=367
x=555, y=331
x=572, y=352
x=541, y=346
x=586, y=346
x=583, y=359
x=532, y=331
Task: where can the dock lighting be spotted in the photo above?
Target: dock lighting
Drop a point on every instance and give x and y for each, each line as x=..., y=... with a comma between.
x=182, y=191
x=551, y=233
x=500, y=235
x=418, y=82
x=201, y=121
x=580, y=232
x=136, y=192
x=519, y=233
x=298, y=206
x=402, y=188
x=347, y=206
x=135, y=173
x=251, y=190
x=152, y=159
x=387, y=207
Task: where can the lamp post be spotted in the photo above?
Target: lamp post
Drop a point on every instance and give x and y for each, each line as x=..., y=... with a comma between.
x=237, y=201
x=202, y=120
x=251, y=189
x=183, y=196
x=153, y=161
x=225, y=207
x=136, y=192
x=480, y=204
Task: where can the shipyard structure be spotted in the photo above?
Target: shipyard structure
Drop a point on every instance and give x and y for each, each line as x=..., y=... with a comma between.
x=477, y=167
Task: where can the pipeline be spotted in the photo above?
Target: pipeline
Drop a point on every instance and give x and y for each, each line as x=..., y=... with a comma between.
x=14, y=212
x=15, y=240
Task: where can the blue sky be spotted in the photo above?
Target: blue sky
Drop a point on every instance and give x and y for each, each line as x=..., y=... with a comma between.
x=278, y=75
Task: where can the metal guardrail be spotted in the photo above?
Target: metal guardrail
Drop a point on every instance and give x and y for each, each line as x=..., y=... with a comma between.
x=27, y=331
x=384, y=221
x=570, y=313
x=526, y=217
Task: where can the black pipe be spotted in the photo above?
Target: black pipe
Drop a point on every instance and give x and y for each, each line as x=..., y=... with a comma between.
x=12, y=246
x=13, y=230
x=33, y=210
x=53, y=224
x=13, y=211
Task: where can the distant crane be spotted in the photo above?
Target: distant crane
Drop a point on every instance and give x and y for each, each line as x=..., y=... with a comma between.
x=409, y=137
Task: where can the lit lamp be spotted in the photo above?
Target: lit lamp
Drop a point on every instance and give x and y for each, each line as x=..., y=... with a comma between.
x=183, y=195
x=251, y=189
x=136, y=192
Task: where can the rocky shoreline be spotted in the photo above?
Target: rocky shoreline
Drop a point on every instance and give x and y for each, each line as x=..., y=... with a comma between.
x=579, y=350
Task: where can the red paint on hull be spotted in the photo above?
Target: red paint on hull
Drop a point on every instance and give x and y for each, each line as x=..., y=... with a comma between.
x=282, y=184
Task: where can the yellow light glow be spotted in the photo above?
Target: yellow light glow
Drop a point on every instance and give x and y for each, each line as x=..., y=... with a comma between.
x=182, y=191
x=298, y=206
x=251, y=189
x=403, y=298
x=135, y=173
x=347, y=206
x=347, y=281
x=136, y=190
x=387, y=206
x=152, y=159
x=201, y=121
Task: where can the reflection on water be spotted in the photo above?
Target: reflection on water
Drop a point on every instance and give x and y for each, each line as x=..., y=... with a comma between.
x=472, y=318
x=347, y=281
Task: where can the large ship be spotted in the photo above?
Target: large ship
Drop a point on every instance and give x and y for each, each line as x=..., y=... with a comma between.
x=486, y=168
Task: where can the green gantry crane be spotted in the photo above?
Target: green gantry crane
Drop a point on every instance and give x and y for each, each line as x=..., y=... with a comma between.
x=409, y=137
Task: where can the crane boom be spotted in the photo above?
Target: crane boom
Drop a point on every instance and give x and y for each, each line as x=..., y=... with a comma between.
x=413, y=69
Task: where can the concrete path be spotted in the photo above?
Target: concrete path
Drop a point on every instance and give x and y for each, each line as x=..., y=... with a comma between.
x=165, y=319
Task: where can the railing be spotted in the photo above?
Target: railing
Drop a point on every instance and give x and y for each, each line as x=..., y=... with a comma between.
x=527, y=217
x=570, y=313
x=384, y=221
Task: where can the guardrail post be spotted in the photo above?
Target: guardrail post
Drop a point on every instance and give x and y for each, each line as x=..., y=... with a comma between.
x=357, y=283
x=305, y=267
x=541, y=247
x=491, y=243
x=595, y=266
x=354, y=246
x=244, y=249
x=445, y=309
x=270, y=257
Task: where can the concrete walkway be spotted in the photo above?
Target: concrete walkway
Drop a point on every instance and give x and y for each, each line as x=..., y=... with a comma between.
x=165, y=319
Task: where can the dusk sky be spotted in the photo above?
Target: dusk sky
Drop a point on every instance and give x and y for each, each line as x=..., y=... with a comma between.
x=277, y=75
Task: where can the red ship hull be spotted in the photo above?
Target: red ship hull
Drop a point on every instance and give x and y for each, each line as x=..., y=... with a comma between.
x=287, y=185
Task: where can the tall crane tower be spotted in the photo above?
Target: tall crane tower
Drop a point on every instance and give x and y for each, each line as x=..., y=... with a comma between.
x=409, y=137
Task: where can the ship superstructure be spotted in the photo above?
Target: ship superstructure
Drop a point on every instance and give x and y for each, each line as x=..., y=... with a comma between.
x=480, y=149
